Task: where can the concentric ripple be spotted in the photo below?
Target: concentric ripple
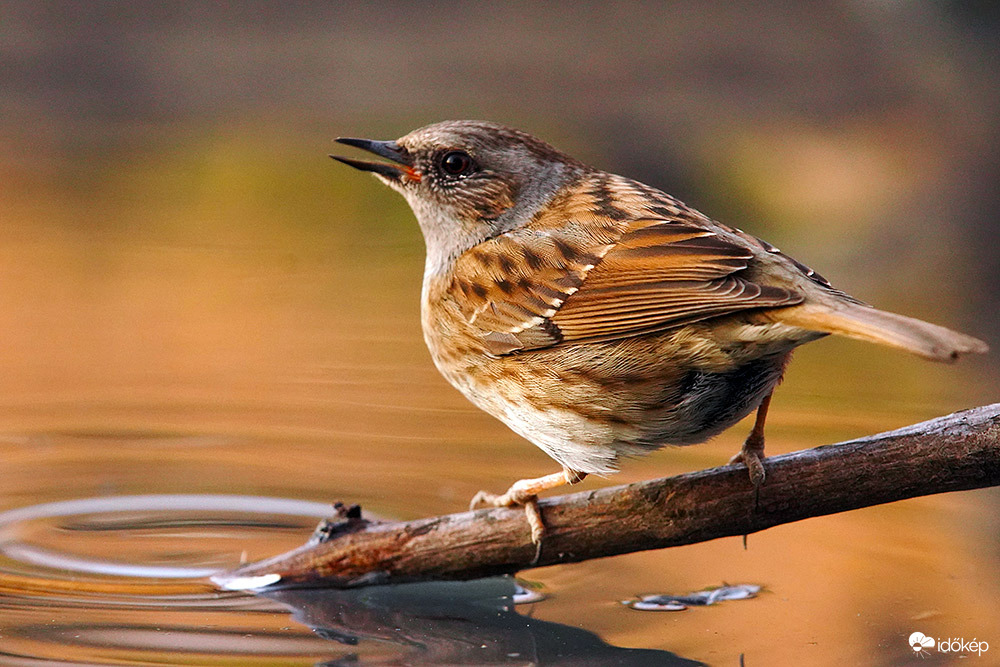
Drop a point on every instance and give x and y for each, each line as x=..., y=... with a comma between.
x=124, y=578
x=144, y=521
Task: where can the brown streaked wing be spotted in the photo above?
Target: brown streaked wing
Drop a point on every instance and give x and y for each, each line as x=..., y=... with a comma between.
x=609, y=314
x=664, y=274
x=661, y=250
x=534, y=288
x=513, y=284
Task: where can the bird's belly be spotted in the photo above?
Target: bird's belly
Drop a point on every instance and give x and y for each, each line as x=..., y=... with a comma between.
x=590, y=405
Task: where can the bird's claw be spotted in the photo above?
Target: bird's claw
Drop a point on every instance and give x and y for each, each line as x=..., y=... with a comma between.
x=509, y=499
x=483, y=499
x=755, y=467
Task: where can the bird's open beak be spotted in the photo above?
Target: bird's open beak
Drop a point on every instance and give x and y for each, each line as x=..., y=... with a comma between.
x=388, y=149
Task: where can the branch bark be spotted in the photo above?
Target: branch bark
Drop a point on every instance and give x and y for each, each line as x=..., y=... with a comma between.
x=952, y=453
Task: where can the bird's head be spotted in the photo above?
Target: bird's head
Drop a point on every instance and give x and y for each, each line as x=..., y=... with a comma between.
x=467, y=181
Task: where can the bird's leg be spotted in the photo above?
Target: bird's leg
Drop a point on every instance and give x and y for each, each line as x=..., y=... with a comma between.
x=525, y=493
x=753, y=448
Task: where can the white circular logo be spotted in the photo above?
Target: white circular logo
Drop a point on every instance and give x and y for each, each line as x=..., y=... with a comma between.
x=919, y=641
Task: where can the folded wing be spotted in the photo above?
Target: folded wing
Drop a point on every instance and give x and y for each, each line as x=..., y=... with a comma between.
x=603, y=279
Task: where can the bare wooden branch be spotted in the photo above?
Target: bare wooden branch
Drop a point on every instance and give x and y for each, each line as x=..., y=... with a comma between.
x=952, y=453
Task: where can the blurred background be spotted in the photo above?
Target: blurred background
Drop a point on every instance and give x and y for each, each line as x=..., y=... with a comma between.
x=195, y=299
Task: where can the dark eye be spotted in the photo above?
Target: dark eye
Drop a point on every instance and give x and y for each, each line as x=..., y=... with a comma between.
x=456, y=163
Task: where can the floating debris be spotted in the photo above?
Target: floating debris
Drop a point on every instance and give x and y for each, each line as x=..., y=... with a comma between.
x=524, y=595
x=696, y=599
x=644, y=604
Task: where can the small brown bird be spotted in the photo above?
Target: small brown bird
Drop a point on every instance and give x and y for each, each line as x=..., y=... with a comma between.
x=599, y=317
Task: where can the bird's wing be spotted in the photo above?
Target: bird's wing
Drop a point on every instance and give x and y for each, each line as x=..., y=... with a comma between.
x=595, y=277
x=663, y=274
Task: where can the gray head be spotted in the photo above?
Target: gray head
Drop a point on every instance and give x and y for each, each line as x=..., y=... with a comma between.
x=467, y=181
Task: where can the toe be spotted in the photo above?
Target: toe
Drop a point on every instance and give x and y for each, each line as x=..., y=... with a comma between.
x=754, y=464
x=756, y=469
x=535, y=521
x=483, y=499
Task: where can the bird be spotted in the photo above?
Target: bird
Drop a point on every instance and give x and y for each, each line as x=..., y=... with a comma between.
x=601, y=318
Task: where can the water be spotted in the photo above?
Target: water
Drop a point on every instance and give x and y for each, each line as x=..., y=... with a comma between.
x=184, y=390
x=115, y=577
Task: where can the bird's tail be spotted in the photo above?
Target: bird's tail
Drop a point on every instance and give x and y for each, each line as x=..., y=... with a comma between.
x=877, y=326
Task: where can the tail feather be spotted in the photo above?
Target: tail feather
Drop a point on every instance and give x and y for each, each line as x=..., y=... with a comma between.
x=877, y=326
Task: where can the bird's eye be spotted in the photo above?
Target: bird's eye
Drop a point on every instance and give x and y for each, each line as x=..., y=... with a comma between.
x=456, y=163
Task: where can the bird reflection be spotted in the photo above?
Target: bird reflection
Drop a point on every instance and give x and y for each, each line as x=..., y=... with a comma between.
x=454, y=623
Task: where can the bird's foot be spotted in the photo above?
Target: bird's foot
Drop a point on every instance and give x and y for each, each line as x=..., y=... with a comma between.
x=753, y=447
x=515, y=498
x=524, y=493
x=752, y=458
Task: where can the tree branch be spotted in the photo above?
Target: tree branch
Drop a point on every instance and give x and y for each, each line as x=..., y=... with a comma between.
x=952, y=453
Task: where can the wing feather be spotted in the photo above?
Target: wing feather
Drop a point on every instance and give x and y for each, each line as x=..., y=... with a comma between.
x=573, y=275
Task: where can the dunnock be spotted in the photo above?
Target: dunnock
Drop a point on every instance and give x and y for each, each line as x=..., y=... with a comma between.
x=599, y=317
